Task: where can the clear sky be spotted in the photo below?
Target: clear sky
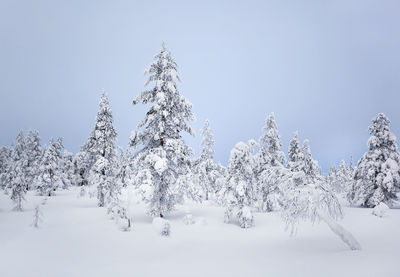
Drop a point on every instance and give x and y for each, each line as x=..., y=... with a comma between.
x=324, y=67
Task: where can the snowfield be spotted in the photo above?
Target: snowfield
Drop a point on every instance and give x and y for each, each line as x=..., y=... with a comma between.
x=77, y=238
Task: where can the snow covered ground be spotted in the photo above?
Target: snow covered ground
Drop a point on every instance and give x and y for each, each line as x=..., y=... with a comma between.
x=76, y=238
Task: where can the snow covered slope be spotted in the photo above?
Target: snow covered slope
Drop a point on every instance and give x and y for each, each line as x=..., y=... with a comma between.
x=77, y=238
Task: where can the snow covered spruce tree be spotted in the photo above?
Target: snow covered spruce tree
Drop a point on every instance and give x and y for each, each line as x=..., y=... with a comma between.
x=164, y=157
x=294, y=154
x=239, y=191
x=270, y=167
x=101, y=149
x=308, y=197
x=67, y=170
x=5, y=159
x=343, y=179
x=15, y=177
x=376, y=178
x=49, y=174
x=33, y=154
x=205, y=171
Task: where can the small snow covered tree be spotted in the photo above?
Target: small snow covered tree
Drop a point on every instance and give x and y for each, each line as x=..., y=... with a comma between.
x=49, y=177
x=33, y=154
x=37, y=216
x=164, y=157
x=81, y=165
x=270, y=167
x=343, y=180
x=16, y=174
x=5, y=160
x=376, y=178
x=239, y=189
x=205, y=171
x=270, y=144
x=67, y=170
x=123, y=168
x=102, y=175
x=294, y=154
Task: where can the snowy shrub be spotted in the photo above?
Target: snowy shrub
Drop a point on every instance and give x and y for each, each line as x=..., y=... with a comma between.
x=380, y=210
x=37, y=216
x=245, y=217
x=188, y=219
x=201, y=221
x=161, y=226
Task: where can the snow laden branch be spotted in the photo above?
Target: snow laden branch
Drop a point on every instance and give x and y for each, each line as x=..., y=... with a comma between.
x=313, y=202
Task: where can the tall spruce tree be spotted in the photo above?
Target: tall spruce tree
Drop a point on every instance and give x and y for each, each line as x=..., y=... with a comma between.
x=102, y=152
x=164, y=156
x=376, y=178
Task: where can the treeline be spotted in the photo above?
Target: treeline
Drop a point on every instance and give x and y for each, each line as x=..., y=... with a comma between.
x=159, y=165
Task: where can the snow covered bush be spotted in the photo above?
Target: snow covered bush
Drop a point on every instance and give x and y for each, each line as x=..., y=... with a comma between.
x=188, y=219
x=162, y=226
x=377, y=178
x=164, y=157
x=239, y=192
x=37, y=216
x=380, y=210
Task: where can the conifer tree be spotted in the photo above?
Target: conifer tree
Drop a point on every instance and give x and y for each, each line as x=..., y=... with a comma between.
x=33, y=153
x=308, y=165
x=67, y=170
x=270, y=167
x=101, y=150
x=164, y=156
x=205, y=171
x=49, y=176
x=294, y=154
x=239, y=191
x=15, y=174
x=376, y=178
x=270, y=144
x=5, y=159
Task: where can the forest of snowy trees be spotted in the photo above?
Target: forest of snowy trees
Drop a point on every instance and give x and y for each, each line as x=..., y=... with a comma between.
x=162, y=169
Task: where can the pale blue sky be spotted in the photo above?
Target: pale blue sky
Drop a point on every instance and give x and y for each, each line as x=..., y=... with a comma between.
x=324, y=67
